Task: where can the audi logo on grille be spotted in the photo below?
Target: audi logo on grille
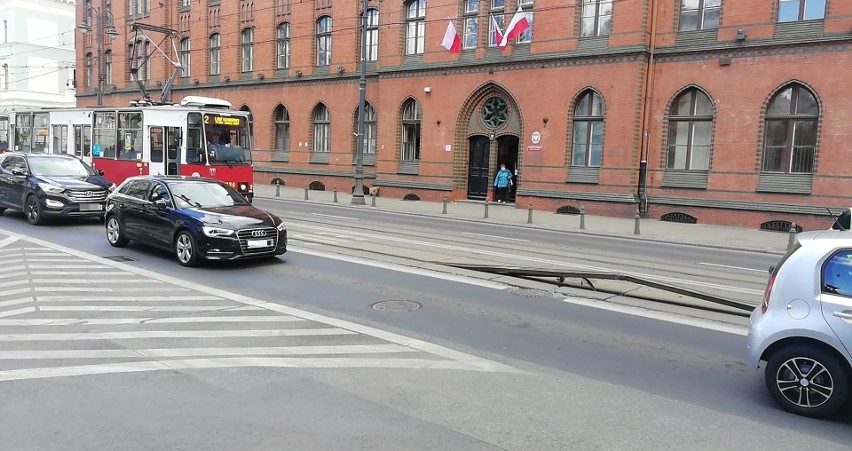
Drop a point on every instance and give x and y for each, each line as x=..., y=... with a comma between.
x=258, y=233
x=88, y=194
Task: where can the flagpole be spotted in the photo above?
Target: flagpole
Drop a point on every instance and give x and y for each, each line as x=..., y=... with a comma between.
x=358, y=192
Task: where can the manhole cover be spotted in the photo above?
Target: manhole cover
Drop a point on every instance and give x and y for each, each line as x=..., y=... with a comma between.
x=396, y=306
x=121, y=258
x=531, y=293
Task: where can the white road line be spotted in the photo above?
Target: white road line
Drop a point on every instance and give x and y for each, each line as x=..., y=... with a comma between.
x=202, y=352
x=146, y=334
x=495, y=236
x=13, y=283
x=336, y=217
x=55, y=260
x=13, y=274
x=238, y=362
x=317, y=238
x=19, y=311
x=15, y=291
x=110, y=289
x=80, y=266
x=78, y=273
x=734, y=267
x=8, y=241
x=148, y=320
x=13, y=268
x=128, y=298
x=139, y=281
x=16, y=302
x=142, y=308
x=662, y=316
x=404, y=269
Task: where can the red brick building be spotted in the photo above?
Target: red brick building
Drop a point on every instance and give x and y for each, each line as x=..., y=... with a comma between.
x=740, y=109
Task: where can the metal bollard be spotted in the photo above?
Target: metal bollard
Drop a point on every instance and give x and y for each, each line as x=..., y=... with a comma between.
x=582, y=218
x=636, y=223
x=277, y=188
x=791, y=242
x=445, y=206
x=306, y=193
x=486, y=209
x=335, y=194
x=373, y=200
x=529, y=213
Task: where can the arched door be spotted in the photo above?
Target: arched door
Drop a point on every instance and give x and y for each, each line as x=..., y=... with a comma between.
x=477, y=179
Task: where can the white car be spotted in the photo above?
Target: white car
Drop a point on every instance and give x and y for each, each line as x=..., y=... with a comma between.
x=803, y=329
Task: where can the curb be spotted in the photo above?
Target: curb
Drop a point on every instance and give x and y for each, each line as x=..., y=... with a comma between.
x=756, y=250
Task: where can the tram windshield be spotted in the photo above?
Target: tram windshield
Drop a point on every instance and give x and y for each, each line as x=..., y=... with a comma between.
x=224, y=135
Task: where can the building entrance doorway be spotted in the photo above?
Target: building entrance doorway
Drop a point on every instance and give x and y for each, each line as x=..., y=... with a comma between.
x=477, y=172
x=507, y=153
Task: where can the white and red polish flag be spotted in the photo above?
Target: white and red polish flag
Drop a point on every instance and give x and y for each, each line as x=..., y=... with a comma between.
x=498, y=33
x=517, y=25
x=452, y=41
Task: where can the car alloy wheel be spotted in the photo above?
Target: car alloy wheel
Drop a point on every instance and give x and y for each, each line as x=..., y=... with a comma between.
x=115, y=236
x=33, y=211
x=185, y=249
x=807, y=381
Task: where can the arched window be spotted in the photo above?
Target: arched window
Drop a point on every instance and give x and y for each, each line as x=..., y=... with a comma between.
x=322, y=129
x=369, y=128
x=88, y=63
x=247, y=43
x=108, y=67
x=791, y=131
x=588, y=130
x=246, y=139
x=215, y=53
x=147, y=64
x=415, y=28
x=372, y=35
x=324, y=41
x=282, y=129
x=283, y=59
x=184, y=57
x=411, y=115
x=690, y=131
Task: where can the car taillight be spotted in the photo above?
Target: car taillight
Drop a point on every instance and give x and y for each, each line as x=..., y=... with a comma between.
x=767, y=294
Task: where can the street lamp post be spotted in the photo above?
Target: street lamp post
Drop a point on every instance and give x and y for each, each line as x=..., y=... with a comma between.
x=358, y=193
x=102, y=16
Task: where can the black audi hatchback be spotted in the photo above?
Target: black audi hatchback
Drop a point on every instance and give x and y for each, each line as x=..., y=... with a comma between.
x=195, y=218
x=47, y=185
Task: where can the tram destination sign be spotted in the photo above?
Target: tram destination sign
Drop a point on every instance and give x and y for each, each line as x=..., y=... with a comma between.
x=225, y=121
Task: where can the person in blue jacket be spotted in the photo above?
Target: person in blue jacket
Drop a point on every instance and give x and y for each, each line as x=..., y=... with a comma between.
x=502, y=182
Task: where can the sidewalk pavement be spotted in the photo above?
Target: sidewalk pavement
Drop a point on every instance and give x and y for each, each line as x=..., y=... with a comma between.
x=724, y=237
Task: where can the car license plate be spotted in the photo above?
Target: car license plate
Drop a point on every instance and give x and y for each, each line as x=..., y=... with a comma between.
x=91, y=207
x=258, y=243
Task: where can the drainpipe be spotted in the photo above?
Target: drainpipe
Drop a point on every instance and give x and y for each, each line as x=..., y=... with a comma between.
x=646, y=116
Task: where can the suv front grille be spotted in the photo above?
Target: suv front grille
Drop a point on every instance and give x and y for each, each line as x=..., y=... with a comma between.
x=86, y=195
x=265, y=233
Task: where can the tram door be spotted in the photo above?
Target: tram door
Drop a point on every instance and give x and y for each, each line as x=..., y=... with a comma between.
x=164, y=143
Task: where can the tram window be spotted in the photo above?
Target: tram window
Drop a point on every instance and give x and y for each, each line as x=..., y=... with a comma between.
x=130, y=136
x=193, y=142
x=156, y=144
x=60, y=139
x=23, y=133
x=105, y=138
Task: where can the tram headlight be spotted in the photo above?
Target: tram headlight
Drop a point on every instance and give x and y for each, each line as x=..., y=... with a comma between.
x=214, y=232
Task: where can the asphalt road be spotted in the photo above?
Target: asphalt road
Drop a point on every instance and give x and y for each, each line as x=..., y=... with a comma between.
x=594, y=379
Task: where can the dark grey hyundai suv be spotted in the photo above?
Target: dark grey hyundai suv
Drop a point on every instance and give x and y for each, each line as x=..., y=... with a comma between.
x=46, y=185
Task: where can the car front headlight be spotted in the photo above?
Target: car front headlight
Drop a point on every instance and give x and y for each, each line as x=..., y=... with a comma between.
x=50, y=188
x=214, y=232
x=281, y=227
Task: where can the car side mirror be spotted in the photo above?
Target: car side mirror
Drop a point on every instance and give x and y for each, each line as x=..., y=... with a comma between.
x=101, y=172
x=161, y=203
x=18, y=172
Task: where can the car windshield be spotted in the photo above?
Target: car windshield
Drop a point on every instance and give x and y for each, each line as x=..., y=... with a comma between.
x=205, y=195
x=59, y=167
